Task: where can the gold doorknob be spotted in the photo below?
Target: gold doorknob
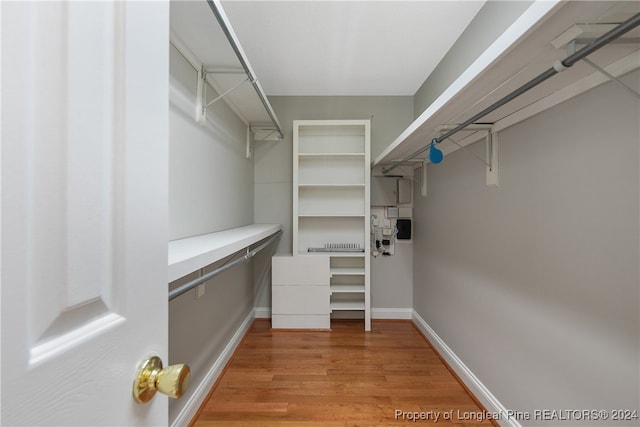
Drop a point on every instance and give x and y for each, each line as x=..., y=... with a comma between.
x=172, y=380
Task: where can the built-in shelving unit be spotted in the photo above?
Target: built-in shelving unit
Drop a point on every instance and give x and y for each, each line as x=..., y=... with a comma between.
x=331, y=183
x=331, y=198
x=348, y=283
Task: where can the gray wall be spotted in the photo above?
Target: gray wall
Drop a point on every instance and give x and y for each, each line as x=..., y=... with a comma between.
x=210, y=178
x=490, y=22
x=274, y=171
x=535, y=284
x=210, y=189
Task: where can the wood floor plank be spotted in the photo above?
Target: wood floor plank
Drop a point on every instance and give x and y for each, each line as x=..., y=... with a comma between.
x=344, y=377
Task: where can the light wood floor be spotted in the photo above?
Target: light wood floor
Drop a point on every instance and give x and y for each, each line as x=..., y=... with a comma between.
x=345, y=377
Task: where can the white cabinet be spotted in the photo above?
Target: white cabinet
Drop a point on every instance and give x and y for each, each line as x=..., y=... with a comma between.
x=300, y=292
x=331, y=207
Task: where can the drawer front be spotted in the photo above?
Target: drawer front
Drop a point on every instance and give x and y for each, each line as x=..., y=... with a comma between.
x=300, y=271
x=300, y=300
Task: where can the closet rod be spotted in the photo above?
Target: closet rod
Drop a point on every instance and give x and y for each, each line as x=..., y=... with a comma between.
x=221, y=17
x=558, y=66
x=200, y=280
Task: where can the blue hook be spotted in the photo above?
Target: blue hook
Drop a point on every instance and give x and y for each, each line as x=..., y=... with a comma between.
x=435, y=155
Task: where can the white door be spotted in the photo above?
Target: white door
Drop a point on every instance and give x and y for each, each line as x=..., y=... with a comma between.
x=84, y=209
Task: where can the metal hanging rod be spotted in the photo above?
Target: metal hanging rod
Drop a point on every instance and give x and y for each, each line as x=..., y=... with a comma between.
x=200, y=280
x=558, y=67
x=221, y=17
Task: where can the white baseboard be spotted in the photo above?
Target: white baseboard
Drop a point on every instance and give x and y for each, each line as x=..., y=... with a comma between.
x=191, y=407
x=376, y=313
x=482, y=393
x=391, y=313
x=262, y=312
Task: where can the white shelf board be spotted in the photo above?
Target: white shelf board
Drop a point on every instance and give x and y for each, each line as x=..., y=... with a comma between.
x=349, y=289
x=335, y=254
x=320, y=155
x=331, y=186
x=347, y=305
x=331, y=215
x=193, y=253
x=343, y=271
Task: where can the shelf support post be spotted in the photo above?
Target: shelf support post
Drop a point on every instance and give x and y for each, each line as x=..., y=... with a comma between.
x=248, y=153
x=423, y=186
x=201, y=95
x=492, y=158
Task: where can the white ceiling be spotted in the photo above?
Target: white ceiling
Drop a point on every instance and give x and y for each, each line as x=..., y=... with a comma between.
x=351, y=48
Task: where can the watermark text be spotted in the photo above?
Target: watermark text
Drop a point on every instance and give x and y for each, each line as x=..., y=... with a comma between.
x=535, y=415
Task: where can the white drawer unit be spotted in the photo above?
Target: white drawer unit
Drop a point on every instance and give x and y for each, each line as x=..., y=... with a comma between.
x=300, y=292
x=300, y=299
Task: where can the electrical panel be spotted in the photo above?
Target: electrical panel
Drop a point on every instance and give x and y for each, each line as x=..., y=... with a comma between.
x=384, y=191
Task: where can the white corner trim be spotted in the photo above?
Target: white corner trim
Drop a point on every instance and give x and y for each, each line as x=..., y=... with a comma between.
x=201, y=391
x=490, y=402
x=391, y=313
x=262, y=312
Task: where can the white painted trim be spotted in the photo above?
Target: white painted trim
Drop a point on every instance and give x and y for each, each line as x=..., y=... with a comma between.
x=192, y=405
x=490, y=402
x=391, y=313
x=262, y=312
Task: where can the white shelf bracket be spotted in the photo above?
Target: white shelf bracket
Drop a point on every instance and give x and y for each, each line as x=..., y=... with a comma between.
x=571, y=48
x=201, y=92
x=491, y=146
x=265, y=132
x=492, y=157
x=613, y=78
